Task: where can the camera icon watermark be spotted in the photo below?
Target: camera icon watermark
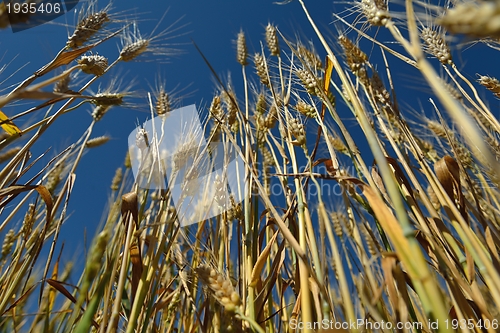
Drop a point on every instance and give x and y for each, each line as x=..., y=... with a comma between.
x=170, y=153
x=25, y=14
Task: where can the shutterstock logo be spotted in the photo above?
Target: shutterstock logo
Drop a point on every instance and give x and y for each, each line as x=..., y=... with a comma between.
x=170, y=153
x=25, y=14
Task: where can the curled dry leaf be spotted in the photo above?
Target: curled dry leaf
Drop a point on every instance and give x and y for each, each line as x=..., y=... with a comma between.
x=261, y=260
x=448, y=174
x=129, y=206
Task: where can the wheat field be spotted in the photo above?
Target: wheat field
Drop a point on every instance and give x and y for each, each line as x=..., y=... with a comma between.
x=360, y=212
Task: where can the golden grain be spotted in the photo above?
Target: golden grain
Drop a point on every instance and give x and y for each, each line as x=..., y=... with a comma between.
x=437, y=128
x=86, y=28
x=309, y=81
x=117, y=179
x=297, y=129
x=62, y=86
x=310, y=57
x=241, y=49
x=474, y=18
x=306, y=109
x=100, y=111
x=134, y=50
x=220, y=287
x=272, y=40
x=93, y=64
x=8, y=243
x=490, y=83
x=355, y=58
x=163, y=103
x=29, y=221
x=260, y=68
x=9, y=154
x=375, y=11
x=98, y=141
x=436, y=45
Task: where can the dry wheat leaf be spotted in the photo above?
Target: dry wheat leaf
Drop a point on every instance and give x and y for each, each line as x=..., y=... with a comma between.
x=136, y=260
x=55, y=273
x=60, y=288
x=448, y=173
x=261, y=260
x=8, y=126
x=129, y=205
x=388, y=265
x=39, y=94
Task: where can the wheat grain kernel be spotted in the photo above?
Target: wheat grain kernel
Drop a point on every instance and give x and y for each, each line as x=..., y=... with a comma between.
x=220, y=287
x=437, y=128
x=451, y=89
x=490, y=83
x=9, y=154
x=260, y=68
x=117, y=179
x=8, y=242
x=306, y=109
x=338, y=145
x=127, y=163
x=135, y=49
x=271, y=118
x=436, y=45
x=54, y=177
x=297, y=129
x=108, y=99
x=308, y=81
x=162, y=105
x=29, y=221
x=355, y=58
x=98, y=141
x=86, y=28
x=62, y=86
x=477, y=19
x=100, y=111
x=94, y=64
x=311, y=58
x=215, y=110
x=381, y=93
x=375, y=12
x=241, y=49
x=272, y=40
x=232, y=110
x=261, y=104
x=370, y=243
x=337, y=226
x=464, y=156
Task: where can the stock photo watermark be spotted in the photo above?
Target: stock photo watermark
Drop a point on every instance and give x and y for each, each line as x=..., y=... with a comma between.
x=368, y=325
x=21, y=15
x=169, y=152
